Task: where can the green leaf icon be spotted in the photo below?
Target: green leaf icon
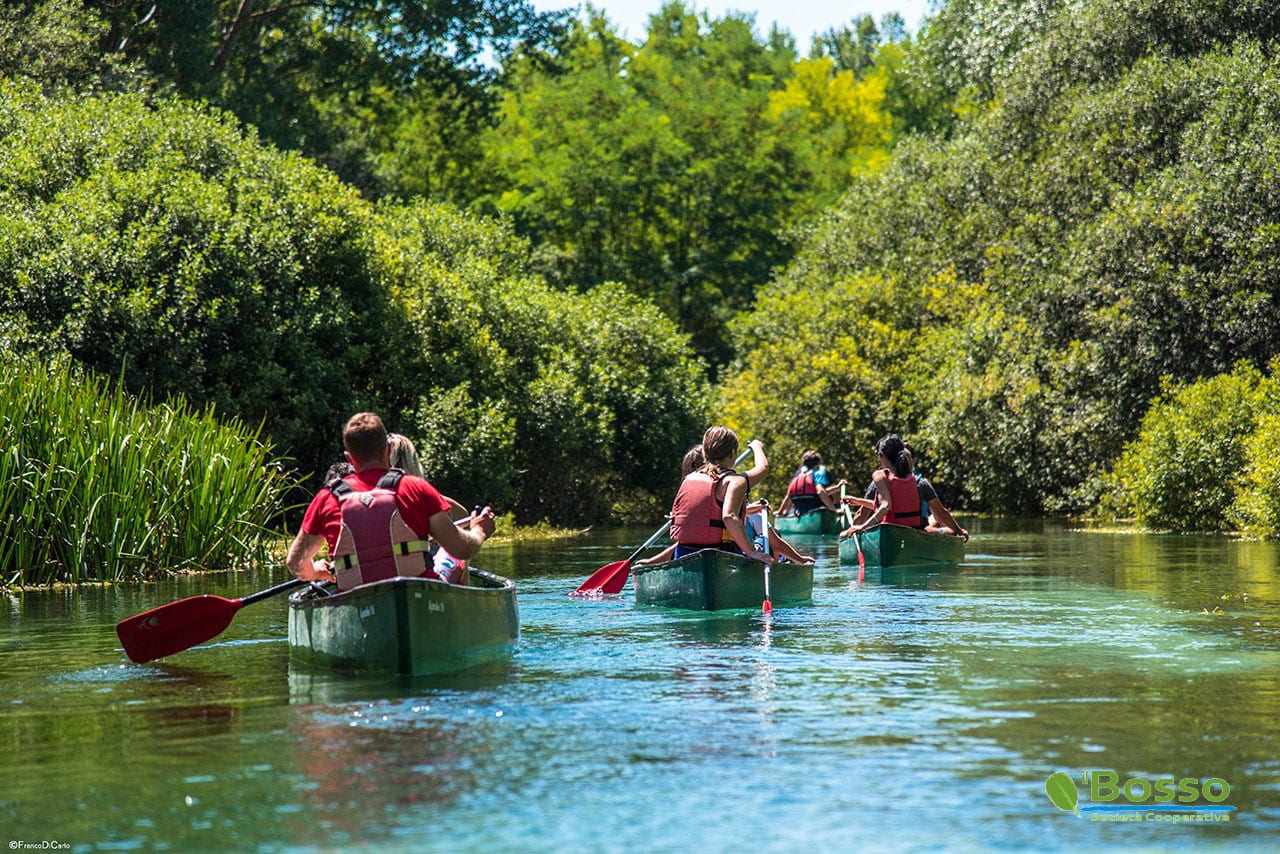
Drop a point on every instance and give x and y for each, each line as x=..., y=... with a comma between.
x=1061, y=790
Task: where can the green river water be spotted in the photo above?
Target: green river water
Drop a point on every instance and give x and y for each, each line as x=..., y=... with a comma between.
x=916, y=711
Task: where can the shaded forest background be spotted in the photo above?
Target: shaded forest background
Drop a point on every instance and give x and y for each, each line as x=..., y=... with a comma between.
x=1037, y=238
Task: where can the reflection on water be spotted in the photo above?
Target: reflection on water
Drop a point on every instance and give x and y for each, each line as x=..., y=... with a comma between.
x=919, y=709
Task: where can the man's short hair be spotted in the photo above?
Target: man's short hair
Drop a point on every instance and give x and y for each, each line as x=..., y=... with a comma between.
x=364, y=437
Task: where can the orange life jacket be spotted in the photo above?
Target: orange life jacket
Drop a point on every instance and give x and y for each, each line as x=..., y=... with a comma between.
x=695, y=514
x=375, y=543
x=905, y=495
x=802, y=484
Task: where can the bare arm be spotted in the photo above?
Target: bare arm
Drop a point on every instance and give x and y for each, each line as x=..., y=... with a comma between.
x=456, y=509
x=824, y=495
x=301, y=558
x=731, y=515
x=883, y=506
x=759, y=462
x=944, y=516
x=459, y=542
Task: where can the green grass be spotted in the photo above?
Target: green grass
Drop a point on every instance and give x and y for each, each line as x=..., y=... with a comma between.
x=96, y=485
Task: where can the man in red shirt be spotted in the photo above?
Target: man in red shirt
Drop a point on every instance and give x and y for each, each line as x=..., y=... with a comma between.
x=418, y=511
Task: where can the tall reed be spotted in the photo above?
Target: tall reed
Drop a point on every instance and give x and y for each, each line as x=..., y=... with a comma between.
x=96, y=485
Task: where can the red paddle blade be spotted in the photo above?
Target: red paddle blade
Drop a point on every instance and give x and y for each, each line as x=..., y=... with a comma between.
x=767, y=607
x=174, y=627
x=592, y=586
x=615, y=582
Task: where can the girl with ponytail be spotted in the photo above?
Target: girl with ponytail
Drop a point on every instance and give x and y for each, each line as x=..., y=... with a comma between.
x=902, y=497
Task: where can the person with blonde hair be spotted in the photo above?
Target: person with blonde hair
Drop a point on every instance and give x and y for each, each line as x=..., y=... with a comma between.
x=404, y=456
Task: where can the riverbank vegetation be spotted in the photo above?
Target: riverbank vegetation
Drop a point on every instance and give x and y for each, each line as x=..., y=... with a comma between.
x=551, y=255
x=1205, y=458
x=1098, y=227
x=98, y=486
x=163, y=245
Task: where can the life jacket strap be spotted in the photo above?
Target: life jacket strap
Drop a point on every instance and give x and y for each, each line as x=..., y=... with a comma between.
x=349, y=562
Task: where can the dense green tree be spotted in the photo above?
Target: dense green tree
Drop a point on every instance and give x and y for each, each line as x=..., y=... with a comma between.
x=162, y=246
x=1109, y=218
x=853, y=47
x=57, y=43
x=1197, y=450
x=976, y=45
x=341, y=82
x=669, y=166
x=570, y=400
x=159, y=244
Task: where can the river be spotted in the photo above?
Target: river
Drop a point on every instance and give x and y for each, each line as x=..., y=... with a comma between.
x=914, y=711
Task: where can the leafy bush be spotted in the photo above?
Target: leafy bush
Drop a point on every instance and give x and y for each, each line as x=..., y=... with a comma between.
x=553, y=401
x=1192, y=453
x=160, y=244
x=1256, y=509
x=1110, y=215
x=95, y=485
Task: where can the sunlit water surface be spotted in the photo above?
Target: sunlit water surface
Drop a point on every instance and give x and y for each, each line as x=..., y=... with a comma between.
x=913, y=711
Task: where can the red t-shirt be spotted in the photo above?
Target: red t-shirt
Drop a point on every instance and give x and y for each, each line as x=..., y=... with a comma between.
x=417, y=500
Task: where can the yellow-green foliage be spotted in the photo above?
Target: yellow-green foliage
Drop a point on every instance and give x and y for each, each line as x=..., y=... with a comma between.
x=812, y=375
x=1256, y=510
x=95, y=485
x=843, y=114
x=1204, y=458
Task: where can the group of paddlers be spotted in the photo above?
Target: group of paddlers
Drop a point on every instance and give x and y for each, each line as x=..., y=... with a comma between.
x=712, y=508
x=897, y=494
x=379, y=518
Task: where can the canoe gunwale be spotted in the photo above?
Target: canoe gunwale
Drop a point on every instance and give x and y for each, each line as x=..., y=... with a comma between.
x=716, y=580
x=310, y=597
x=406, y=625
x=903, y=547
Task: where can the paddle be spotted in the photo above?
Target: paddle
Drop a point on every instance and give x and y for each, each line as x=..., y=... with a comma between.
x=862, y=561
x=612, y=577
x=183, y=624
x=848, y=518
x=767, y=607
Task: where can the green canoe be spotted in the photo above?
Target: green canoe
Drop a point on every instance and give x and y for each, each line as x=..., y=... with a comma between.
x=895, y=545
x=412, y=626
x=715, y=580
x=818, y=522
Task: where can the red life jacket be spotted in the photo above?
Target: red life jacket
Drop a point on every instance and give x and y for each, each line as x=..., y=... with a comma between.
x=802, y=484
x=375, y=543
x=905, y=495
x=695, y=514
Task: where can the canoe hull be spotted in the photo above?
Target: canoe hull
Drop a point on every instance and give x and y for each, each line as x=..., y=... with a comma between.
x=895, y=545
x=818, y=523
x=412, y=626
x=714, y=580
